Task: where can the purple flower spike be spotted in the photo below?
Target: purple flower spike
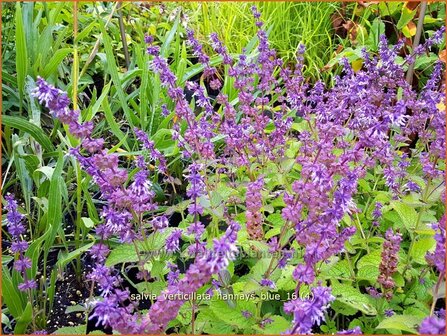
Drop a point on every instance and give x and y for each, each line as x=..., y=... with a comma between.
x=172, y=242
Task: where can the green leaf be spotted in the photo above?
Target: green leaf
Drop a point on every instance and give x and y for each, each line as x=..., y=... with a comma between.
x=54, y=216
x=286, y=281
x=76, y=330
x=164, y=50
x=67, y=257
x=276, y=219
x=152, y=288
x=337, y=269
x=388, y=8
x=405, y=17
x=368, y=266
x=344, y=309
x=277, y=327
x=122, y=253
x=233, y=316
x=377, y=29
x=55, y=61
x=352, y=297
x=407, y=214
x=12, y=297
x=112, y=69
x=210, y=324
x=424, y=61
x=27, y=127
x=75, y=309
x=88, y=223
x=21, y=53
x=407, y=323
x=114, y=127
x=24, y=320
x=420, y=249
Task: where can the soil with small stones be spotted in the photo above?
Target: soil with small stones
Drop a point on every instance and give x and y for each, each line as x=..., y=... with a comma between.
x=70, y=294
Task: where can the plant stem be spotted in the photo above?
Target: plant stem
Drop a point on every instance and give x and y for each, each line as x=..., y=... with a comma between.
x=435, y=293
x=417, y=39
x=123, y=35
x=78, y=168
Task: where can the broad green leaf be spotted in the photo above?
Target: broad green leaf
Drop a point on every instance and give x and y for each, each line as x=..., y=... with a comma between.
x=405, y=17
x=368, y=266
x=150, y=287
x=276, y=220
x=88, y=222
x=286, y=281
x=207, y=322
x=233, y=316
x=352, y=297
x=342, y=308
x=126, y=253
x=407, y=214
x=76, y=330
x=337, y=269
x=277, y=327
x=420, y=249
x=122, y=253
x=407, y=323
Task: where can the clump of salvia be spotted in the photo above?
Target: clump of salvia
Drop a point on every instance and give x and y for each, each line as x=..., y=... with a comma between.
x=355, y=125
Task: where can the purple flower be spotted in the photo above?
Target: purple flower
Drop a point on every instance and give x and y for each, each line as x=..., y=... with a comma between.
x=265, y=322
x=246, y=314
x=19, y=246
x=267, y=283
x=412, y=186
x=172, y=241
x=437, y=258
x=307, y=312
x=388, y=264
x=198, y=274
x=389, y=312
x=196, y=229
x=373, y=292
x=160, y=222
x=14, y=217
x=353, y=331
x=304, y=273
x=27, y=285
x=253, y=204
x=173, y=275
x=377, y=212
x=22, y=264
x=432, y=325
x=99, y=252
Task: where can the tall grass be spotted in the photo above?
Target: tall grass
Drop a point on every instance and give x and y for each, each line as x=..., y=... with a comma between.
x=288, y=23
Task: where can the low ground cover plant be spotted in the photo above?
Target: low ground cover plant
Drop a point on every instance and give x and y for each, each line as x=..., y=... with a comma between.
x=265, y=203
